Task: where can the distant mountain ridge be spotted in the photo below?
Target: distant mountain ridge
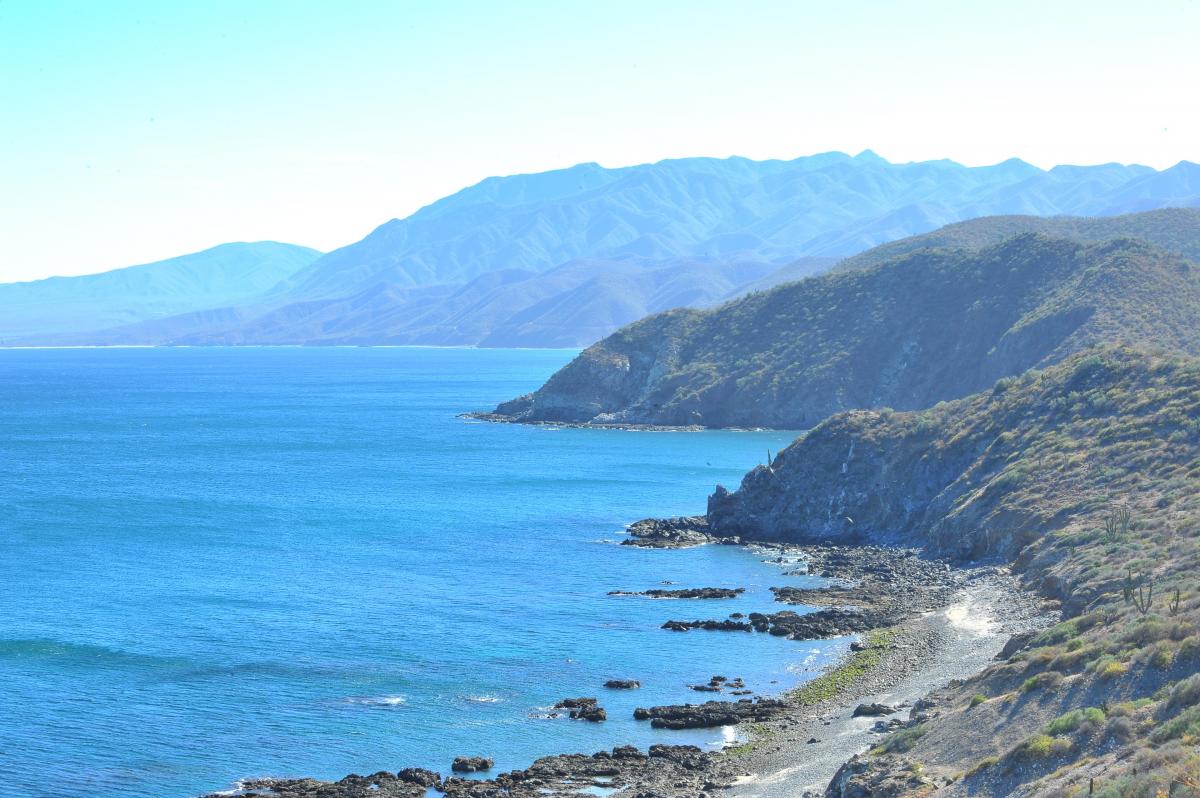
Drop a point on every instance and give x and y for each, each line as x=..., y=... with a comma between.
x=224, y=274
x=921, y=327
x=503, y=262
x=829, y=205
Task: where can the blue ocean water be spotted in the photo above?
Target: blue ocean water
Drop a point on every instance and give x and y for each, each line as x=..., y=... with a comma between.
x=217, y=563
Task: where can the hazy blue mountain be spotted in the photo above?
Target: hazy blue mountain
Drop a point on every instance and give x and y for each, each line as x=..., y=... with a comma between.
x=565, y=257
x=831, y=204
x=571, y=305
x=222, y=275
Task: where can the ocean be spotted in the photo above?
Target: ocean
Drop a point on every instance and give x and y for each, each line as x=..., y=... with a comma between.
x=224, y=563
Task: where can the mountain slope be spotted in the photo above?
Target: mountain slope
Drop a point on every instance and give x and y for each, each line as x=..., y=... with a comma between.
x=229, y=273
x=1083, y=477
x=924, y=327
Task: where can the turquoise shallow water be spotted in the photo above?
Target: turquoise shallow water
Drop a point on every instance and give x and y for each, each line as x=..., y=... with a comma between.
x=218, y=563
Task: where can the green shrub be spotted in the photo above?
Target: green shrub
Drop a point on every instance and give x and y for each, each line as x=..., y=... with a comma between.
x=1185, y=726
x=977, y=699
x=1185, y=693
x=1047, y=679
x=1071, y=721
x=1040, y=746
x=900, y=741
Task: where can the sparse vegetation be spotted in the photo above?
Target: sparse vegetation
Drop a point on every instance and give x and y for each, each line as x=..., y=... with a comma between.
x=1108, y=431
x=829, y=685
x=900, y=741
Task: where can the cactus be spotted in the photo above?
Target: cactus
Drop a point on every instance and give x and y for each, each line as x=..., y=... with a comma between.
x=1144, y=599
x=1173, y=605
x=1116, y=525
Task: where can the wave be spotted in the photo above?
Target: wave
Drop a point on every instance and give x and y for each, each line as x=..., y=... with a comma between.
x=482, y=699
x=378, y=701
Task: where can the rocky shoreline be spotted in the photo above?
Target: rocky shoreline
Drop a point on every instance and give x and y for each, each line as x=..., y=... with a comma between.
x=885, y=596
x=501, y=418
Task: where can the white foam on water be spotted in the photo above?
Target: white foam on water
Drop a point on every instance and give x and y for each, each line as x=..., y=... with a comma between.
x=482, y=699
x=378, y=701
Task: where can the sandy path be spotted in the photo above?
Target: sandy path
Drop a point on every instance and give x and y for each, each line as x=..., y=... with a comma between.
x=929, y=651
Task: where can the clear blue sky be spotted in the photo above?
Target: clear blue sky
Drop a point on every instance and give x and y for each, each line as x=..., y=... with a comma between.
x=133, y=131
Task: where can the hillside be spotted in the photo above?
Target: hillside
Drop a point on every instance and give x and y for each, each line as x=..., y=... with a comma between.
x=917, y=329
x=1174, y=229
x=229, y=273
x=1084, y=476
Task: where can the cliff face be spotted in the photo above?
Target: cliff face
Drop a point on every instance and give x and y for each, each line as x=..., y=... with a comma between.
x=921, y=328
x=983, y=476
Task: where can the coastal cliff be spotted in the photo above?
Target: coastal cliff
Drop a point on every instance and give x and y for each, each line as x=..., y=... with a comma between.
x=1084, y=477
x=922, y=327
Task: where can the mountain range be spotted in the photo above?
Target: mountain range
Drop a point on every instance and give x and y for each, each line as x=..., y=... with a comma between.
x=561, y=258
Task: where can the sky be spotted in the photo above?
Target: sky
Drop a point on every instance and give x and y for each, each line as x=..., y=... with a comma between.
x=133, y=131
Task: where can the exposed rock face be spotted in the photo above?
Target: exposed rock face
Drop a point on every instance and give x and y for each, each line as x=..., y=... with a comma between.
x=622, y=684
x=926, y=326
x=942, y=479
x=856, y=779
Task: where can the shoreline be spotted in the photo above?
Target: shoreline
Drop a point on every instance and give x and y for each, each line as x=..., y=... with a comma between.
x=919, y=656
x=500, y=418
x=806, y=734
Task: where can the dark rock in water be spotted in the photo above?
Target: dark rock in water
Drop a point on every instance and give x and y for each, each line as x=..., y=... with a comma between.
x=583, y=709
x=712, y=713
x=669, y=533
x=471, y=764
x=591, y=712
x=685, y=593
x=622, y=684
x=709, y=625
x=706, y=688
x=419, y=776
x=873, y=710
